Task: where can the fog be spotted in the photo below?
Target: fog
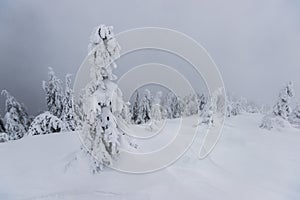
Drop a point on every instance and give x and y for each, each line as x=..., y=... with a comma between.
x=255, y=44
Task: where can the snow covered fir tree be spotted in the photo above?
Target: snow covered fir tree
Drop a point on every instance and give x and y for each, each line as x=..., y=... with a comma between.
x=54, y=94
x=69, y=116
x=16, y=118
x=100, y=134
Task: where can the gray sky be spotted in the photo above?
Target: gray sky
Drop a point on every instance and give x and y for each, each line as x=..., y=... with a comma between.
x=255, y=43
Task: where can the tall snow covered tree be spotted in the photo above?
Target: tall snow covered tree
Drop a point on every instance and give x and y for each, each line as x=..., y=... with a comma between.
x=16, y=117
x=102, y=137
x=282, y=108
x=54, y=94
x=69, y=116
x=135, y=108
x=145, y=107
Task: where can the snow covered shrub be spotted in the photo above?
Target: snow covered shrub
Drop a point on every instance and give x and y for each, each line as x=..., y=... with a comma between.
x=294, y=118
x=45, y=123
x=3, y=137
x=252, y=107
x=101, y=136
x=54, y=94
x=278, y=119
x=16, y=118
x=273, y=122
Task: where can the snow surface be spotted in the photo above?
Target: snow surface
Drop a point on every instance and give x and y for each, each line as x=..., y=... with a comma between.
x=247, y=163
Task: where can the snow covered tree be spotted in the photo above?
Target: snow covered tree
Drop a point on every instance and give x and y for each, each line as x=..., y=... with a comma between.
x=202, y=101
x=54, y=94
x=191, y=105
x=45, y=123
x=125, y=114
x=156, y=107
x=172, y=106
x=101, y=136
x=156, y=113
x=294, y=118
x=135, y=108
x=2, y=128
x=282, y=108
x=69, y=116
x=16, y=117
x=207, y=114
x=145, y=107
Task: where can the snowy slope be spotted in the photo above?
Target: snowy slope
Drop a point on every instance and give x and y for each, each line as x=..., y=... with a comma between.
x=247, y=163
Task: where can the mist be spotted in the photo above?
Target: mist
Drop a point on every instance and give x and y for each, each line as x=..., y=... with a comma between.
x=255, y=44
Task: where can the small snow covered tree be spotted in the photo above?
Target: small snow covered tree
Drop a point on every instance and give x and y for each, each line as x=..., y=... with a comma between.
x=294, y=118
x=45, y=123
x=135, y=108
x=54, y=94
x=16, y=117
x=101, y=136
x=69, y=116
x=282, y=108
x=145, y=107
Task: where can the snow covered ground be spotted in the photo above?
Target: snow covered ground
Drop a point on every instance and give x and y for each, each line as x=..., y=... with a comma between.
x=247, y=163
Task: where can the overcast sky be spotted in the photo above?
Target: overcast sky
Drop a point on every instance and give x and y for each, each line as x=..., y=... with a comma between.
x=255, y=43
